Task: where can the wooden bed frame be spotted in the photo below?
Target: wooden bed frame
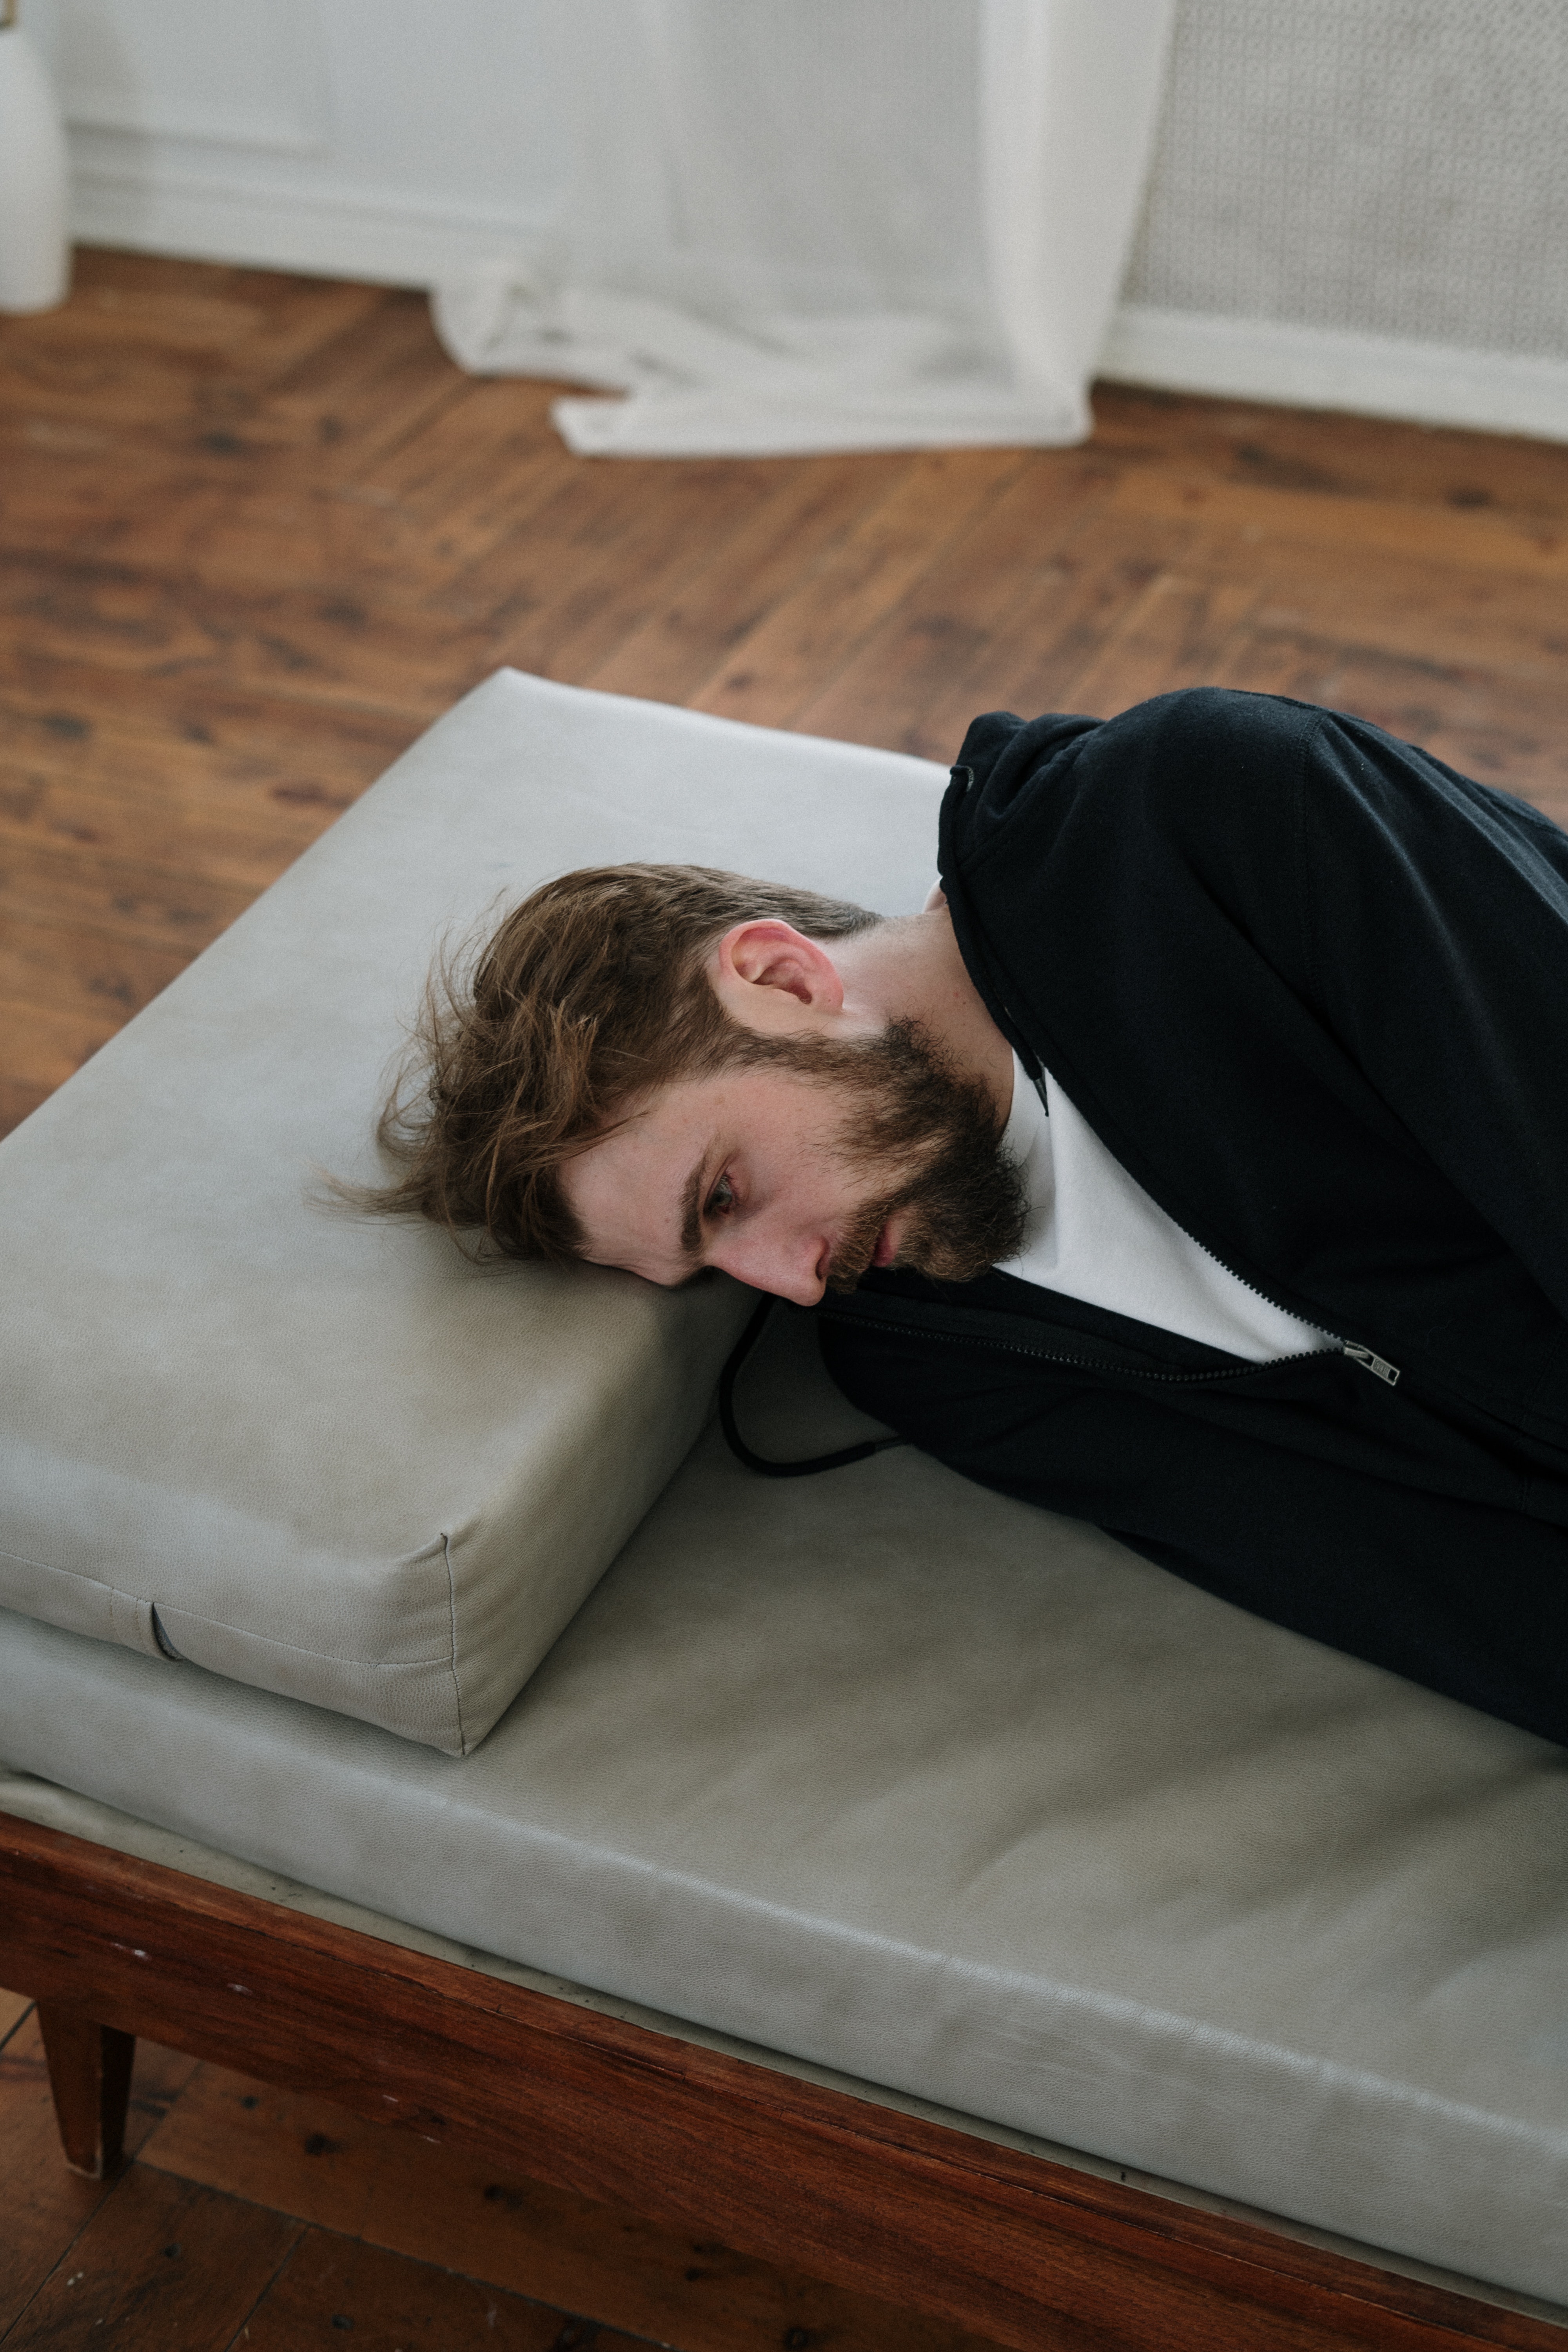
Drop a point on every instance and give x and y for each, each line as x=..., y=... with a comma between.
x=1031, y=2253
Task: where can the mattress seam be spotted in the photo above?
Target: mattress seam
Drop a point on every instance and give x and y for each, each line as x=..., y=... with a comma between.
x=452, y=1601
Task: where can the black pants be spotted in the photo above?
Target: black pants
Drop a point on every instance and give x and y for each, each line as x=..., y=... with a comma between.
x=1308, y=1492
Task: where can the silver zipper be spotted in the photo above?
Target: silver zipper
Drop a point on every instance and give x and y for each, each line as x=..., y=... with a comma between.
x=1368, y=1357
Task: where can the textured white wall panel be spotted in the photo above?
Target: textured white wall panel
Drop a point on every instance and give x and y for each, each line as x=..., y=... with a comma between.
x=1382, y=167
x=1364, y=205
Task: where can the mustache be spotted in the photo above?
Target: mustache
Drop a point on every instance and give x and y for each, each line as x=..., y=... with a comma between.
x=857, y=1246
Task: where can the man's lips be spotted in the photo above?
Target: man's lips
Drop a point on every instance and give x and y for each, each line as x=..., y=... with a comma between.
x=856, y=1254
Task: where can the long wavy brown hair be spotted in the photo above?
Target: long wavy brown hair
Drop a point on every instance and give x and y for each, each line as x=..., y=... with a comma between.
x=536, y=1039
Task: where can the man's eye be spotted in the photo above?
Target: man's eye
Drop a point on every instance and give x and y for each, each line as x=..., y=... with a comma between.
x=721, y=1198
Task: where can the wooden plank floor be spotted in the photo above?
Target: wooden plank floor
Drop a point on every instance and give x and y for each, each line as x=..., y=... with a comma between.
x=255, y=533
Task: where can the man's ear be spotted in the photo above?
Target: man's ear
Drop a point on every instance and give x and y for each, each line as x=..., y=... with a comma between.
x=771, y=978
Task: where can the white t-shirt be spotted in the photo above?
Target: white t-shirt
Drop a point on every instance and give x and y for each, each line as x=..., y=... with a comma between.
x=1096, y=1236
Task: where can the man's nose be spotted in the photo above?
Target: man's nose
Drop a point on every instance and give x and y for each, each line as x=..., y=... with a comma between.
x=792, y=1270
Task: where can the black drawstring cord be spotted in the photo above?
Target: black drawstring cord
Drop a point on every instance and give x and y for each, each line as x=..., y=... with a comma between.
x=737, y=1444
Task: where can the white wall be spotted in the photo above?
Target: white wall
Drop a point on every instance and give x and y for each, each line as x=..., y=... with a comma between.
x=1363, y=203
x=361, y=138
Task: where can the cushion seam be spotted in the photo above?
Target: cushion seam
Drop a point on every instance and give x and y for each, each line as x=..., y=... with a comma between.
x=293, y=1649
x=298, y=1649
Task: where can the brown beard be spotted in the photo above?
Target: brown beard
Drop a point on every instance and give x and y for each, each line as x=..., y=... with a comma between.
x=904, y=1105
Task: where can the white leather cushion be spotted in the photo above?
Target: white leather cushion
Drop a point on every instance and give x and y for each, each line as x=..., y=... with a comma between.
x=322, y=1454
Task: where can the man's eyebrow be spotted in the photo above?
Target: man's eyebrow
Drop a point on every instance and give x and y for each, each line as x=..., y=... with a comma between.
x=691, y=1212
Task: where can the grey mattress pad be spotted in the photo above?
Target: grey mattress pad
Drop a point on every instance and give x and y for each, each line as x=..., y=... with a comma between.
x=915, y=1782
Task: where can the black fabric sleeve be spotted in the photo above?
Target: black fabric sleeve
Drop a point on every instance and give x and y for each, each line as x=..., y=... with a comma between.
x=1436, y=913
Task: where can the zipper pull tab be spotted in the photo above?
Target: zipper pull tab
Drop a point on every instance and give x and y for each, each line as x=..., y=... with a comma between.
x=1374, y=1362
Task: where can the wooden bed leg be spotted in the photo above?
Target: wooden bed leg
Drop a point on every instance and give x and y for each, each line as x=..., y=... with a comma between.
x=89, y=2075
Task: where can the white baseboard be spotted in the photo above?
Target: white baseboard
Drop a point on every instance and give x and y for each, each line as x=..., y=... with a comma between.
x=326, y=234
x=1324, y=367
x=337, y=233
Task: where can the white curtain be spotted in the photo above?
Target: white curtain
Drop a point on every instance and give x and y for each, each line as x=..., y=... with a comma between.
x=813, y=224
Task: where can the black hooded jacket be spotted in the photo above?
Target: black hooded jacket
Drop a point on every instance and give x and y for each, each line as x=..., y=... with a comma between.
x=1310, y=986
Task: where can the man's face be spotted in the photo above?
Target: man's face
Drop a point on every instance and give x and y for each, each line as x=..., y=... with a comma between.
x=796, y=1175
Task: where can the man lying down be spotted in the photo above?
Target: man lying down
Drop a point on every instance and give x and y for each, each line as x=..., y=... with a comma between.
x=1195, y=1163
